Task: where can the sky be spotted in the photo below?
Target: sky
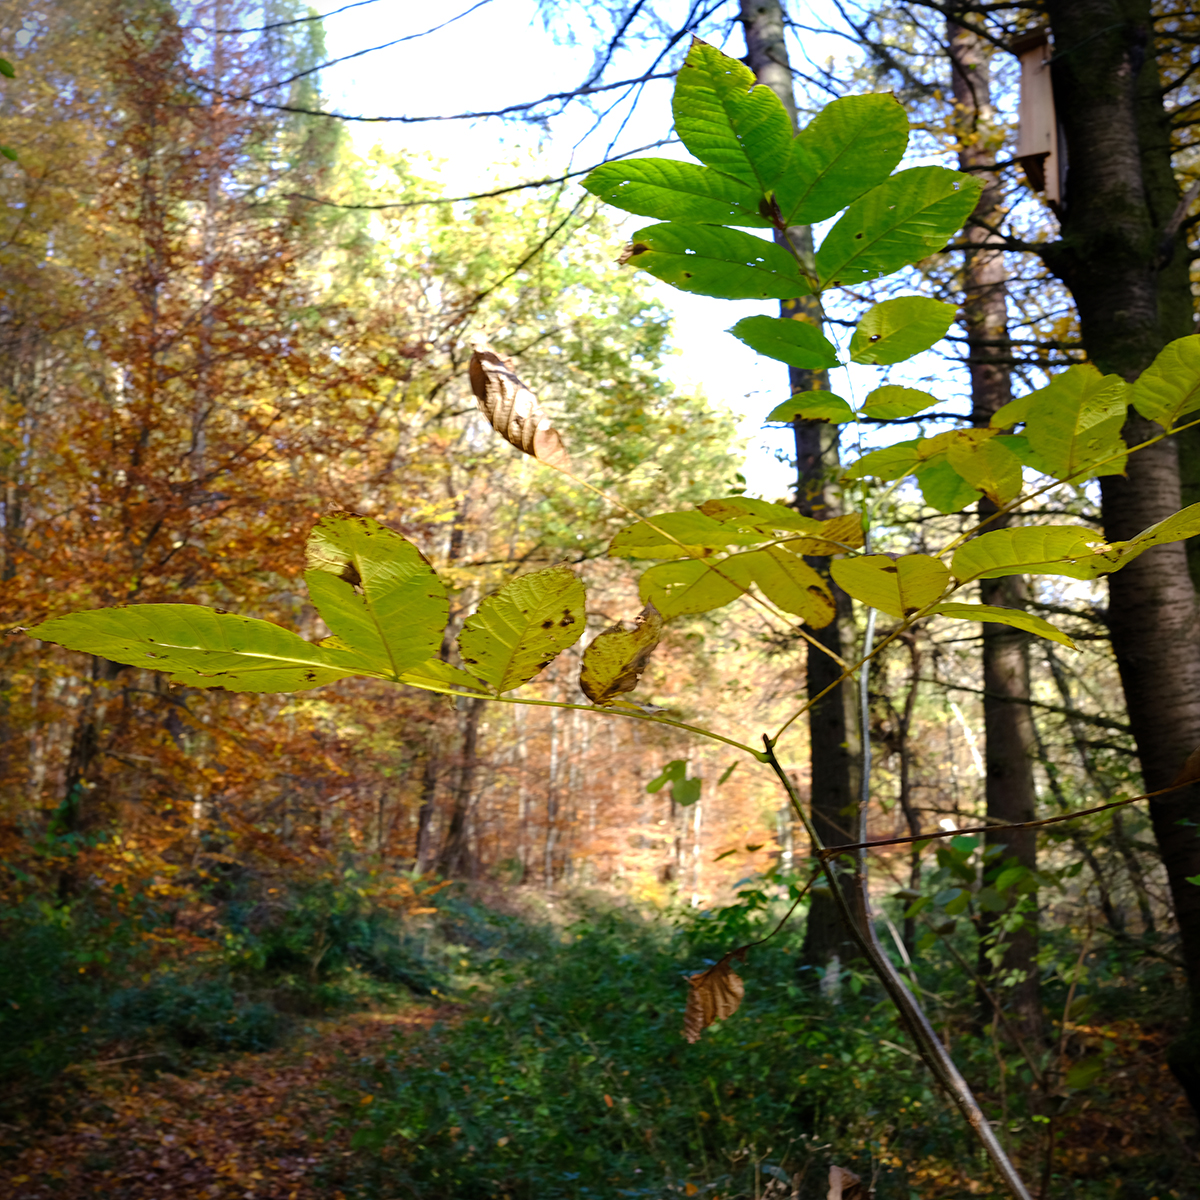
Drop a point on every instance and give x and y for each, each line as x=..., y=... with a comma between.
x=500, y=53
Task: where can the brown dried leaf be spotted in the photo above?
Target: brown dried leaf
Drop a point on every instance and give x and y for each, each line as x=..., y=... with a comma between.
x=511, y=408
x=844, y=1185
x=614, y=662
x=714, y=995
x=1190, y=771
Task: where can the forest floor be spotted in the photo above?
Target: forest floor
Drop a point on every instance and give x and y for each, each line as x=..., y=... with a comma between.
x=269, y=1126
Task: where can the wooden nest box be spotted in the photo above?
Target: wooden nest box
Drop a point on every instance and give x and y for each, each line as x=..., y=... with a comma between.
x=1038, y=149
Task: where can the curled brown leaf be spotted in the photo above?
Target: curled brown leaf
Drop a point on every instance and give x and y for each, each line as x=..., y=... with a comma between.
x=713, y=995
x=1190, y=771
x=844, y=1185
x=614, y=662
x=511, y=408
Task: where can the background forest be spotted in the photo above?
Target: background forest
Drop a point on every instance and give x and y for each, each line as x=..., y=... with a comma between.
x=370, y=941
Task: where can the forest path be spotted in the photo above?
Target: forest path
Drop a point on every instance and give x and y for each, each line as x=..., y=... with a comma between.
x=255, y=1127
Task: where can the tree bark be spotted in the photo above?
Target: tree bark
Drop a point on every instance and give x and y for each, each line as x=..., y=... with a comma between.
x=1010, y=740
x=1130, y=283
x=454, y=861
x=832, y=722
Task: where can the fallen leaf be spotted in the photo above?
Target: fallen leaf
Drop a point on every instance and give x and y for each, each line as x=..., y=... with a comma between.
x=511, y=408
x=714, y=995
x=844, y=1185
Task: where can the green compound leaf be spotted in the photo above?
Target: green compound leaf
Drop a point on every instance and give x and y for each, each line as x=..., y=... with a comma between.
x=905, y=219
x=520, y=630
x=813, y=406
x=700, y=535
x=1016, y=617
x=677, y=191
x=943, y=488
x=201, y=647
x=711, y=261
x=788, y=340
x=727, y=120
x=437, y=676
x=791, y=584
x=614, y=662
x=898, y=587
x=688, y=586
x=1027, y=550
x=770, y=520
x=892, y=402
x=894, y=330
x=845, y=150
x=1169, y=388
x=986, y=463
x=928, y=459
x=1073, y=425
x=887, y=463
x=376, y=592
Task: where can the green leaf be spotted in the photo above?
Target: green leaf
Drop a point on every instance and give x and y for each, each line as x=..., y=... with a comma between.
x=520, y=630
x=748, y=512
x=729, y=121
x=846, y=149
x=9, y=153
x=905, y=219
x=1085, y=1072
x=699, y=533
x=943, y=488
x=894, y=330
x=791, y=584
x=813, y=406
x=1175, y=528
x=985, y=463
x=1073, y=425
x=674, y=771
x=7, y=69
x=685, y=792
x=677, y=191
x=1169, y=388
x=201, y=647
x=1026, y=550
x=1016, y=617
x=888, y=463
x=898, y=587
x=711, y=261
x=614, y=662
x=376, y=592
x=437, y=676
x=688, y=586
x=891, y=402
x=788, y=339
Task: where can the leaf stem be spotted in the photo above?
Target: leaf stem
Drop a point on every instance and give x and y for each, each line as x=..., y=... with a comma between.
x=929, y=1045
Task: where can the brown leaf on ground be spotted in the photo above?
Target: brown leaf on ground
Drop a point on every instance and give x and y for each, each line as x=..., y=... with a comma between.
x=614, y=662
x=713, y=995
x=511, y=408
x=844, y=1185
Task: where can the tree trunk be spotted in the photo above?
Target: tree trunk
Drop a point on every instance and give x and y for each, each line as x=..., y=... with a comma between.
x=831, y=723
x=455, y=858
x=1010, y=740
x=1133, y=294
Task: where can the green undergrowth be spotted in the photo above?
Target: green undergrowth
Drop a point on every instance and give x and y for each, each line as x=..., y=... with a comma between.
x=84, y=980
x=568, y=1076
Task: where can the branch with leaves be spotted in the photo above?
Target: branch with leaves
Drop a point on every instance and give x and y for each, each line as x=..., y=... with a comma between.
x=388, y=612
